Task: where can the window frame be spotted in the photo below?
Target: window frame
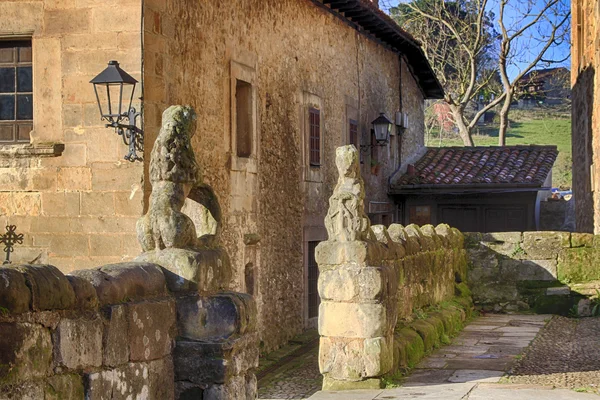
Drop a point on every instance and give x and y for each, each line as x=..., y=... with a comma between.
x=312, y=173
x=246, y=73
x=314, y=137
x=15, y=44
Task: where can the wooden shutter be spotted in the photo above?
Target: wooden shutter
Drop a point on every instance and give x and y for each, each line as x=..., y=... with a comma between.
x=314, y=136
x=353, y=132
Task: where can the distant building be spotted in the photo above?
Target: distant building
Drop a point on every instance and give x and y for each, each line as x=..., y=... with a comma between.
x=476, y=189
x=548, y=86
x=585, y=83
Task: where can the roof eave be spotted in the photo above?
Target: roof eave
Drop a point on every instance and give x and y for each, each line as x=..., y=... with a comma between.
x=366, y=15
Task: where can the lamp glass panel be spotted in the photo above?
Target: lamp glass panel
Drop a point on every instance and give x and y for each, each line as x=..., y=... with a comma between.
x=382, y=132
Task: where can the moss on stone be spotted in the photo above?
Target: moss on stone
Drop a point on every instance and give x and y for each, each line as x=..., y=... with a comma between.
x=413, y=346
x=579, y=265
x=437, y=323
x=462, y=290
x=428, y=333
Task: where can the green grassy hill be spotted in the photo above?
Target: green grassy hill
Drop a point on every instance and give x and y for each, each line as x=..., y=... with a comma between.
x=527, y=127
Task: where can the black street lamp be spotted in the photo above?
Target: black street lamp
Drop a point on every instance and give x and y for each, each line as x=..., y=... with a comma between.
x=110, y=85
x=382, y=127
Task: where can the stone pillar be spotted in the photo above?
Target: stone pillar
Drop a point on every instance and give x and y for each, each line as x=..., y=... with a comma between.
x=216, y=350
x=357, y=285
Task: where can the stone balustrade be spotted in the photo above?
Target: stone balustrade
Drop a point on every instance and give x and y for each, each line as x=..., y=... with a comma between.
x=371, y=280
x=117, y=332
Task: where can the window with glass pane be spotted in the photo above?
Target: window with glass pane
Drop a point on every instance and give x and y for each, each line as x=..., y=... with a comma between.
x=16, y=91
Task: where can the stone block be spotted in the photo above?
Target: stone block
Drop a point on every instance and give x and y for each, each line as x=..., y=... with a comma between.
x=430, y=232
x=85, y=294
x=117, y=283
x=558, y=291
x=504, y=237
x=582, y=239
x=184, y=270
x=409, y=346
x=20, y=203
x=24, y=391
x=332, y=384
x=127, y=20
x=545, y=245
x=353, y=320
x=391, y=250
x=78, y=343
x=115, y=347
x=579, y=265
x=15, y=295
x=529, y=270
x=335, y=253
x=152, y=380
x=105, y=245
x=63, y=387
x=60, y=204
x=67, y=21
x=150, y=325
x=355, y=359
x=25, y=352
x=68, y=245
x=428, y=333
x=207, y=363
x=97, y=203
x=74, y=178
x=425, y=242
x=234, y=388
x=129, y=203
x=399, y=235
x=215, y=317
x=50, y=289
x=351, y=283
x=116, y=177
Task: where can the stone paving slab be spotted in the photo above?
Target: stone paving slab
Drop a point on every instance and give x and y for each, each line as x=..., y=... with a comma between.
x=459, y=391
x=512, y=392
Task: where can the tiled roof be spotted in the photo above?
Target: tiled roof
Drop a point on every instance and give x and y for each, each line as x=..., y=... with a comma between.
x=481, y=166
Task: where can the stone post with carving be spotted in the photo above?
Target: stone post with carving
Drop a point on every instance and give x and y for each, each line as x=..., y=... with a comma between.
x=357, y=285
x=216, y=350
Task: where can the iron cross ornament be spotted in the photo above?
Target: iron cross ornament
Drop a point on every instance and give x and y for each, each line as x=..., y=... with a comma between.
x=10, y=238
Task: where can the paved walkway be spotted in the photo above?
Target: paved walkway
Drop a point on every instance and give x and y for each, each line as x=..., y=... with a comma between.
x=471, y=367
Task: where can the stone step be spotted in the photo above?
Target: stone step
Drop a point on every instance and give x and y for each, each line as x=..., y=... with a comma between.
x=558, y=291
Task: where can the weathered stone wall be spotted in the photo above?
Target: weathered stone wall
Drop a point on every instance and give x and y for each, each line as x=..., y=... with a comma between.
x=546, y=272
x=294, y=54
x=117, y=332
x=372, y=279
x=585, y=96
x=77, y=205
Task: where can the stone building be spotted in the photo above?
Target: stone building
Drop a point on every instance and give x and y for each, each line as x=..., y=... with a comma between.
x=276, y=85
x=585, y=59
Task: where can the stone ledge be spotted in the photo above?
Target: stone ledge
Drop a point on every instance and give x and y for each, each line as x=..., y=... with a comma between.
x=29, y=150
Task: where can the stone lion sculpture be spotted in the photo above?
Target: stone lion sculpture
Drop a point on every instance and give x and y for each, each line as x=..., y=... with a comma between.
x=346, y=219
x=173, y=173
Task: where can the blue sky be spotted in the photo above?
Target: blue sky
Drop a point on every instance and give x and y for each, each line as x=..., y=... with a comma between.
x=527, y=47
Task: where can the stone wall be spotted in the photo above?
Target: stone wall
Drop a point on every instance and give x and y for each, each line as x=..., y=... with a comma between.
x=372, y=279
x=70, y=190
x=546, y=272
x=585, y=60
x=117, y=332
x=295, y=54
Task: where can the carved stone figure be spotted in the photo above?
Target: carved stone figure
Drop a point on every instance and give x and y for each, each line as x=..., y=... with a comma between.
x=346, y=219
x=173, y=174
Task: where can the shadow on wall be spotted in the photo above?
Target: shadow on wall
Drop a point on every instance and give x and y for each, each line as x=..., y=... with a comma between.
x=582, y=113
x=543, y=272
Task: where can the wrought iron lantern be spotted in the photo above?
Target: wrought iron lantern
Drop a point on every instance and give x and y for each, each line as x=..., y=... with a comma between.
x=382, y=128
x=113, y=87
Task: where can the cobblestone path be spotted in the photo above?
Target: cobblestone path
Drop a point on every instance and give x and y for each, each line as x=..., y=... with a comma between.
x=565, y=354
x=295, y=375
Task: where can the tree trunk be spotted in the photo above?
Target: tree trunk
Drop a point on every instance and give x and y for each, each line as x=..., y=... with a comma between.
x=504, y=119
x=463, y=128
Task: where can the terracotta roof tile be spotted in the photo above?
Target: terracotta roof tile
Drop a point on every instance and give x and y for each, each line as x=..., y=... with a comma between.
x=482, y=165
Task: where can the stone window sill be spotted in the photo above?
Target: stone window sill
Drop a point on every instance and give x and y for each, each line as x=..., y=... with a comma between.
x=29, y=150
